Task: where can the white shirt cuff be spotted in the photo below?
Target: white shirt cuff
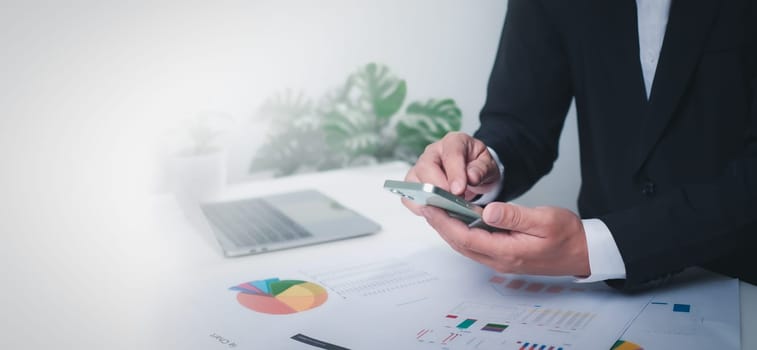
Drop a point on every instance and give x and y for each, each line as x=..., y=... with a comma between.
x=494, y=192
x=605, y=261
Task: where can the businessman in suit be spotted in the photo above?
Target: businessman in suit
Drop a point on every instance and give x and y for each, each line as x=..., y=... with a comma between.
x=666, y=98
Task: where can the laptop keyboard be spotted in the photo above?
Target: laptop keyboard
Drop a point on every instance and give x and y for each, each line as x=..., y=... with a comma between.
x=253, y=222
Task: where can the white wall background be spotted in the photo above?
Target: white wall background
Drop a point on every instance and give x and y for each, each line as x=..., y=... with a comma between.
x=105, y=80
x=88, y=88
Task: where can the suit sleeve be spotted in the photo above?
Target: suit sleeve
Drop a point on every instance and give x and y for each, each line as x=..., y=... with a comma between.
x=528, y=97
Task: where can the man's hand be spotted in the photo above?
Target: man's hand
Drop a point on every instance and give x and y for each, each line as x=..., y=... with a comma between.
x=457, y=163
x=540, y=241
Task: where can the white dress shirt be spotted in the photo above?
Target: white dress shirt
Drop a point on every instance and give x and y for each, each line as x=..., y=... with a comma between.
x=605, y=260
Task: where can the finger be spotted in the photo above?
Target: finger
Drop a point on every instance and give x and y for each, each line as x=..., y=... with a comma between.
x=494, y=263
x=454, y=158
x=512, y=217
x=429, y=169
x=500, y=251
x=476, y=256
x=411, y=175
x=449, y=238
x=483, y=173
x=415, y=208
x=470, y=194
x=457, y=234
x=482, y=169
x=412, y=206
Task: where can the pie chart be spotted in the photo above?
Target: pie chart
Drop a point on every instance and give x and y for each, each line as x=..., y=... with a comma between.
x=280, y=297
x=625, y=345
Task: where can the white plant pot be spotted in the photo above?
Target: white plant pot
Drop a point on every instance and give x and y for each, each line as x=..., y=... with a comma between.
x=196, y=178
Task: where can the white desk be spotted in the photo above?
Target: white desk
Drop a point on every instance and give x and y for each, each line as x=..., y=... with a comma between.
x=361, y=189
x=104, y=285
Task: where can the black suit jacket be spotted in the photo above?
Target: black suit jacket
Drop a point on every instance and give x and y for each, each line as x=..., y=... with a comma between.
x=674, y=177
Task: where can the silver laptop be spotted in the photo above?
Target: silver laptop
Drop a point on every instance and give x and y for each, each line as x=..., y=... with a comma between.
x=257, y=225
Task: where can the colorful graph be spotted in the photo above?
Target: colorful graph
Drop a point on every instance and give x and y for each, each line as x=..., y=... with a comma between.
x=536, y=346
x=666, y=319
x=625, y=345
x=457, y=332
x=280, y=297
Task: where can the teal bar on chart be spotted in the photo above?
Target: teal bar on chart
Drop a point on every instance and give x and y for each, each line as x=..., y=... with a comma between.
x=467, y=323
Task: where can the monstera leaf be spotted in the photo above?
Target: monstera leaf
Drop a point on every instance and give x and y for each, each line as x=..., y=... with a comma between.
x=425, y=123
x=355, y=120
x=286, y=107
x=359, y=122
x=291, y=151
x=383, y=93
x=296, y=140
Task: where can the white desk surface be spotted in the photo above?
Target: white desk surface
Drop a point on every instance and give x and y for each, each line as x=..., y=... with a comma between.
x=106, y=292
x=361, y=189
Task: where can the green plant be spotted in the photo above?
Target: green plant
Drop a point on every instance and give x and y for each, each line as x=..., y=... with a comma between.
x=360, y=122
x=203, y=131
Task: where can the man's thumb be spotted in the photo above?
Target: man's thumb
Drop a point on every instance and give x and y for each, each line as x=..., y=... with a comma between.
x=507, y=216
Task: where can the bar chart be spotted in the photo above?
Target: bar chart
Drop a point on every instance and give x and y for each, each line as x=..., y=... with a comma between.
x=459, y=329
x=530, y=315
x=526, y=285
x=524, y=345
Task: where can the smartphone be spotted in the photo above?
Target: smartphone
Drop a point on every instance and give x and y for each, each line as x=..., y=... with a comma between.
x=428, y=194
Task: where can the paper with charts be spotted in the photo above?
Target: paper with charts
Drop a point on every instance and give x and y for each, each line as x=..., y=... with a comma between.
x=529, y=312
x=698, y=310
x=435, y=299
